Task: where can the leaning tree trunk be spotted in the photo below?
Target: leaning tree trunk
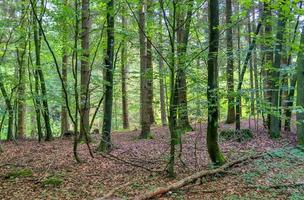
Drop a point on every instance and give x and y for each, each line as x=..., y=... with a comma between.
x=45, y=111
x=230, y=68
x=274, y=129
x=212, y=91
x=300, y=94
x=105, y=143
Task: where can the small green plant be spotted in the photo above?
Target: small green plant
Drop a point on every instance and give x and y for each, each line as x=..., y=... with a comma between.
x=18, y=173
x=52, y=181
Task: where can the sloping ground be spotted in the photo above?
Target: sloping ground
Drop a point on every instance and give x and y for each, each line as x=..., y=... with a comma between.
x=30, y=170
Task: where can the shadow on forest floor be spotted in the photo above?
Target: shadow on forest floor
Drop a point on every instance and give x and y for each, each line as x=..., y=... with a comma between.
x=51, y=172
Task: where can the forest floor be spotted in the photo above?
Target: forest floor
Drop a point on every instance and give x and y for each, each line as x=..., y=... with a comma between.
x=32, y=170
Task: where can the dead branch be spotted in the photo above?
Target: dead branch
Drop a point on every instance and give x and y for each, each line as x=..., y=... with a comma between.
x=190, y=179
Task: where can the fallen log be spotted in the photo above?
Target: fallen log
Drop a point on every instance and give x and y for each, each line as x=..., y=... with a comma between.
x=190, y=179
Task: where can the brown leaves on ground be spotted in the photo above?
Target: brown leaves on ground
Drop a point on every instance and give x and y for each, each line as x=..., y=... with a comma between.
x=98, y=176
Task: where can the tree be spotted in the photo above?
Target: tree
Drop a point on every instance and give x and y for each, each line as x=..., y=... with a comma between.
x=64, y=112
x=274, y=129
x=45, y=111
x=182, y=36
x=212, y=90
x=161, y=76
x=85, y=71
x=21, y=89
x=124, y=73
x=105, y=143
x=144, y=84
x=300, y=94
x=230, y=67
x=149, y=61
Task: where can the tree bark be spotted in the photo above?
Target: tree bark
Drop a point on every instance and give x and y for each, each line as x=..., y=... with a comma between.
x=124, y=75
x=144, y=95
x=64, y=113
x=161, y=77
x=149, y=64
x=105, y=143
x=212, y=91
x=230, y=68
x=274, y=129
x=183, y=29
x=85, y=71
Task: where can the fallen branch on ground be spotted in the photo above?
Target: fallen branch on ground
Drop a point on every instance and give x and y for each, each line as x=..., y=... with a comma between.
x=190, y=179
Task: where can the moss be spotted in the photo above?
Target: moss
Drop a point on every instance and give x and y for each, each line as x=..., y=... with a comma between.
x=52, y=181
x=19, y=173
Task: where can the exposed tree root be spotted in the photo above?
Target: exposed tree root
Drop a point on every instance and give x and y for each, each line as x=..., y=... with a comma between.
x=190, y=179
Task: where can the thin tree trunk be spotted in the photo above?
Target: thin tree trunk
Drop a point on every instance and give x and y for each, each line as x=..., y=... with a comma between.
x=293, y=80
x=64, y=113
x=85, y=71
x=124, y=74
x=274, y=130
x=144, y=109
x=230, y=68
x=212, y=91
x=183, y=29
x=21, y=89
x=105, y=143
x=161, y=78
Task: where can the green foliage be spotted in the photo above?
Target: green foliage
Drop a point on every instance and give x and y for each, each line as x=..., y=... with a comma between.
x=230, y=134
x=52, y=181
x=19, y=173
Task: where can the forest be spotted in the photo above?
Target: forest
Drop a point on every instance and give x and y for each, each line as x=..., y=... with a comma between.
x=152, y=99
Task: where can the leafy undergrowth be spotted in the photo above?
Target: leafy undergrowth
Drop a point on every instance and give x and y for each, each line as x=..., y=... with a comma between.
x=53, y=173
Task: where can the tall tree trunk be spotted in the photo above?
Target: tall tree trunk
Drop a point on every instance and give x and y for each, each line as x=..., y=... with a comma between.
x=105, y=143
x=243, y=71
x=293, y=80
x=21, y=99
x=230, y=68
x=274, y=130
x=161, y=78
x=144, y=95
x=212, y=91
x=183, y=29
x=64, y=112
x=39, y=73
x=252, y=106
x=85, y=71
x=300, y=94
x=124, y=74
x=149, y=74
x=268, y=49
x=255, y=74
